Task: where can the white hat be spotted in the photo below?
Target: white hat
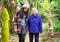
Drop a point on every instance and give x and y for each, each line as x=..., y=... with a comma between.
x=26, y=5
x=34, y=9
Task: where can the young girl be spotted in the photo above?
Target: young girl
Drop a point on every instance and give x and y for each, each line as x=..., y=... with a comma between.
x=20, y=22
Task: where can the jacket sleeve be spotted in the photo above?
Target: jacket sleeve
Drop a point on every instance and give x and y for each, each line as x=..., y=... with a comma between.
x=16, y=19
x=40, y=25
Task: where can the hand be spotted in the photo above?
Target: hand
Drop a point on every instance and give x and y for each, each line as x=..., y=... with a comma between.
x=40, y=34
x=26, y=29
x=15, y=28
x=19, y=19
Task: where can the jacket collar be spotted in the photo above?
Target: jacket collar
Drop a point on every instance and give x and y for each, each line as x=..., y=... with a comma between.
x=35, y=16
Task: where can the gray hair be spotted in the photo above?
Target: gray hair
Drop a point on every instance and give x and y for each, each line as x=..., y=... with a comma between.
x=35, y=9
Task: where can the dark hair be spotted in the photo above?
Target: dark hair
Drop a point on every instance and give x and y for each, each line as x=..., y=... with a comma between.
x=22, y=13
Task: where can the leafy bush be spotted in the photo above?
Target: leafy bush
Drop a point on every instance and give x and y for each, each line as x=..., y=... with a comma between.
x=58, y=40
x=57, y=27
x=45, y=29
x=43, y=14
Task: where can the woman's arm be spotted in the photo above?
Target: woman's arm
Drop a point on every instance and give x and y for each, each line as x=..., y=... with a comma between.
x=40, y=25
x=15, y=21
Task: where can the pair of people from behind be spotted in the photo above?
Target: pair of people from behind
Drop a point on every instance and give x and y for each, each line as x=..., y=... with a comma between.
x=34, y=24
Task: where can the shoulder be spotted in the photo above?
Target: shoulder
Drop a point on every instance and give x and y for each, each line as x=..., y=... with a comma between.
x=30, y=15
x=18, y=13
x=39, y=16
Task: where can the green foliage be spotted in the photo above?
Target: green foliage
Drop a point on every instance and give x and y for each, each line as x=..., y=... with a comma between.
x=46, y=5
x=32, y=4
x=45, y=29
x=44, y=37
x=55, y=5
x=58, y=40
x=5, y=15
x=5, y=26
x=0, y=1
x=20, y=2
x=57, y=27
x=42, y=6
x=43, y=14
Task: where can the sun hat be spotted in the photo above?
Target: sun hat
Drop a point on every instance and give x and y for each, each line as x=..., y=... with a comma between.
x=26, y=5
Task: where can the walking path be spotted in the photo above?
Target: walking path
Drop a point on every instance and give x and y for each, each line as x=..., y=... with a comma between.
x=15, y=38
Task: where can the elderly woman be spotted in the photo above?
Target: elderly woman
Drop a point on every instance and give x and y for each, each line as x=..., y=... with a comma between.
x=20, y=22
x=34, y=25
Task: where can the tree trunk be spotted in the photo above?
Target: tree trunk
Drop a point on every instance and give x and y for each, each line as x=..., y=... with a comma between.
x=0, y=19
